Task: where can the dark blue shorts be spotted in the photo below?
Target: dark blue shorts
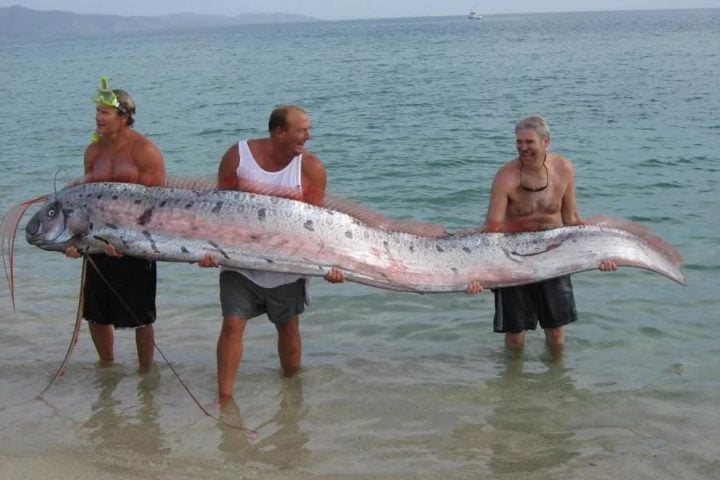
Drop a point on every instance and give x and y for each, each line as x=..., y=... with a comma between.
x=122, y=293
x=550, y=302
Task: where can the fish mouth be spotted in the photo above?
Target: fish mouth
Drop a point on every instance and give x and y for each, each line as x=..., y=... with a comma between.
x=35, y=235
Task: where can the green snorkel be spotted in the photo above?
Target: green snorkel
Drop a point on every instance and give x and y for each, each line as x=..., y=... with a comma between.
x=105, y=96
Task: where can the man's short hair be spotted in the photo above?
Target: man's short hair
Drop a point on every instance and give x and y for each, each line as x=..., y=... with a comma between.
x=534, y=122
x=278, y=117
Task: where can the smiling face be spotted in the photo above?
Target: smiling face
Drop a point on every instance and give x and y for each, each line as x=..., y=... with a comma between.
x=109, y=120
x=297, y=131
x=530, y=144
x=289, y=127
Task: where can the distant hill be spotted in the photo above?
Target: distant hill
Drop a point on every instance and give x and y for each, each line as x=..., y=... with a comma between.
x=18, y=20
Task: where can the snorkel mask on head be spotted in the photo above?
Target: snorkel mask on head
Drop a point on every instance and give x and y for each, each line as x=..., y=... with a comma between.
x=105, y=96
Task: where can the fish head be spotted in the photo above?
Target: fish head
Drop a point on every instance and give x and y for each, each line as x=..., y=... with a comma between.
x=55, y=224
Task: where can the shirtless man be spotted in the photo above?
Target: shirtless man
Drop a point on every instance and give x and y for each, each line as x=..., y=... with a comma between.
x=534, y=191
x=279, y=161
x=119, y=290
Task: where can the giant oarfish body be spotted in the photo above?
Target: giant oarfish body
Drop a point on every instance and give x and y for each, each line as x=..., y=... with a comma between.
x=277, y=234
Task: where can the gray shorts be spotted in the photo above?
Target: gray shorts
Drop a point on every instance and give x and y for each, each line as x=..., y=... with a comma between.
x=551, y=302
x=240, y=297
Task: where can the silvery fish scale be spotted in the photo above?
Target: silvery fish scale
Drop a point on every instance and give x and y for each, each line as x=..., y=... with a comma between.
x=248, y=230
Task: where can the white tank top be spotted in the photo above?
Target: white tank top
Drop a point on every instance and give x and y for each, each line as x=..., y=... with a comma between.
x=290, y=176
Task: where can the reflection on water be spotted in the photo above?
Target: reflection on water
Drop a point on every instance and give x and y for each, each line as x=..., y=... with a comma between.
x=115, y=427
x=528, y=426
x=530, y=418
x=280, y=442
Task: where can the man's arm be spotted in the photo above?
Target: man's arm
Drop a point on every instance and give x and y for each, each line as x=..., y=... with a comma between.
x=495, y=219
x=569, y=209
x=227, y=172
x=227, y=180
x=150, y=163
x=314, y=180
x=570, y=215
x=88, y=159
x=88, y=163
x=314, y=184
x=497, y=207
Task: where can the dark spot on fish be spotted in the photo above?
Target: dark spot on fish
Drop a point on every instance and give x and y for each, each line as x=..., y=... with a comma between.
x=412, y=248
x=454, y=270
x=114, y=197
x=385, y=244
x=111, y=226
x=138, y=201
x=348, y=234
x=91, y=226
x=255, y=238
x=163, y=203
x=216, y=209
x=144, y=219
x=467, y=250
x=269, y=261
x=439, y=248
x=261, y=214
x=184, y=250
x=188, y=206
x=99, y=196
x=153, y=245
x=309, y=226
x=217, y=247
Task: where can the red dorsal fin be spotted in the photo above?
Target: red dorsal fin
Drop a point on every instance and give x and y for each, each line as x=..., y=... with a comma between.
x=201, y=183
x=641, y=231
x=375, y=219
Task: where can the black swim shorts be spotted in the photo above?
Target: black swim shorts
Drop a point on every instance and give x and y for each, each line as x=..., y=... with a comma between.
x=551, y=302
x=122, y=293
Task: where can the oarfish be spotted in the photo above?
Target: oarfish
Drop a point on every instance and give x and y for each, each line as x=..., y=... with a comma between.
x=262, y=232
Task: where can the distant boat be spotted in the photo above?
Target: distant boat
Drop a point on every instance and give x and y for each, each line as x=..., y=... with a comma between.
x=474, y=16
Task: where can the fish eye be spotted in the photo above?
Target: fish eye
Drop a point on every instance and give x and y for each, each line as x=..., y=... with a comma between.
x=52, y=212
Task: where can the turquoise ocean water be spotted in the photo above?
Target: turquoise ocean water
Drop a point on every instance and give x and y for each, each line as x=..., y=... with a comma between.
x=411, y=117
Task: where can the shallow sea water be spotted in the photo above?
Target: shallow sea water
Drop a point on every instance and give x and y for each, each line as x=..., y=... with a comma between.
x=411, y=117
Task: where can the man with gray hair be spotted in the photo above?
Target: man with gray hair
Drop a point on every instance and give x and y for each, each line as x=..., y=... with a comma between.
x=534, y=191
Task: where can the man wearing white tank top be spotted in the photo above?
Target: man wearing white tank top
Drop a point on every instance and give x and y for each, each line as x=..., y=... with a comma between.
x=281, y=161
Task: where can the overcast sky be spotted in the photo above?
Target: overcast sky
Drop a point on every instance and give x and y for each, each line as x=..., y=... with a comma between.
x=350, y=9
